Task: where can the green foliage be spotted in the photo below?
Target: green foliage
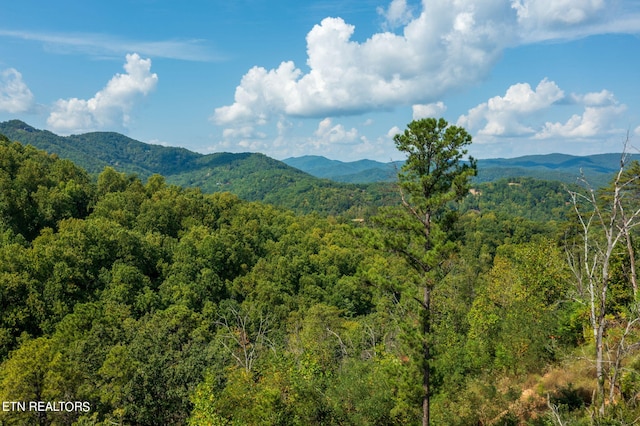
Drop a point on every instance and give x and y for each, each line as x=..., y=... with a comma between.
x=434, y=173
x=513, y=321
x=252, y=177
x=158, y=304
x=37, y=190
x=433, y=177
x=524, y=198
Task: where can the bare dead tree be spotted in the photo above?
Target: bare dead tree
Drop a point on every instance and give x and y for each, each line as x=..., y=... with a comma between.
x=244, y=337
x=605, y=221
x=555, y=412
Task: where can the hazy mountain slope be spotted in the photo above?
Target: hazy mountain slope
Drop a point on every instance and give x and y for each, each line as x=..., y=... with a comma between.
x=562, y=167
x=361, y=171
x=251, y=176
x=96, y=150
x=336, y=188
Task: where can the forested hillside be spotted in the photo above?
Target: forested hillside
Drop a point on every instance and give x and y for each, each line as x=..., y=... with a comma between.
x=151, y=303
x=253, y=177
x=256, y=177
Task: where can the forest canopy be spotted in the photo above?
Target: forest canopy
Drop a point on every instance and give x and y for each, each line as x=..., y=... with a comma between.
x=152, y=304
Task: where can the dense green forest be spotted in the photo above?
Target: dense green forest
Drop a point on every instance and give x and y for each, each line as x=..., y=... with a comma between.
x=149, y=303
x=251, y=176
x=256, y=177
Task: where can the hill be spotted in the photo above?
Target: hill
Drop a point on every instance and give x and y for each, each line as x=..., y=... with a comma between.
x=251, y=176
x=361, y=171
x=303, y=184
x=561, y=167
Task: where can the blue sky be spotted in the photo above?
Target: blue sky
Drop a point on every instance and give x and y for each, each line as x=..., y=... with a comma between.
x=333, y=78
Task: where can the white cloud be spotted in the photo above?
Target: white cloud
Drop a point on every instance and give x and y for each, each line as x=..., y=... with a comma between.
x=428, y=110
x=521, y=110
x=15, y=96
x=448, y=45
x=566, y=19
x=434, y=49
x=502, y=115
x=593, y=122
x=102, y=44
x=556, y=12
x=601, y=98
x=331, y=140
x=637, y=131
x=601, y=110
x=395, y=130
x=329, y=134
x=111, y=106
x=244, y=132
x=397, y=14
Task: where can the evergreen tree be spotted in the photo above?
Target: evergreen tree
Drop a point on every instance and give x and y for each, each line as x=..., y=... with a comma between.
x=434, y=175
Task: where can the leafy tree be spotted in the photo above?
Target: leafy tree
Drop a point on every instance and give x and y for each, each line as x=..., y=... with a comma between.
x=69, y=266
x=32, y=373
x=434, y=175
x=515, y=316
x=37, y=190
x=147, y=379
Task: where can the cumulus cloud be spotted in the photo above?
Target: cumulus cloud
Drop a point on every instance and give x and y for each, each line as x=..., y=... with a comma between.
x=428, y=110
x=395, y=130
x=15, y=96
x=292, y=138
x=331, y=139
x=502, y=115
x=244, y=132
x=397, y=14
x=593, y=122
x=329, y=134
x=602, y=98
x=111, y=106
x=445, y=45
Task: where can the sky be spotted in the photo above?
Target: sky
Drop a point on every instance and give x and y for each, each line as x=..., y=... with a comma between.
x=337, y=78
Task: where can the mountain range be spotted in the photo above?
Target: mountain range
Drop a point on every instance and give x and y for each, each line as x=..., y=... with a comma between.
x=598, y=169
x=291, y=183
x=251, y=176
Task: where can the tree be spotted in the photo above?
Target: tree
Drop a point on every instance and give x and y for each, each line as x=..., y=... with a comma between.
x=605, y=221
x=515, y=315
x=434, y=176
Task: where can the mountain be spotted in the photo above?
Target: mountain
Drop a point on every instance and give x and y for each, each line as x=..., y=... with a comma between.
x=303, y=184
x=598, y=169
x=361, y=171
x=251, y=176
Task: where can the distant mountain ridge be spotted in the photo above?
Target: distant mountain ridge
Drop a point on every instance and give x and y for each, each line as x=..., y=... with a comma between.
x=292, y=182
x=361, y=171
x=598, y=168
x=96, y=150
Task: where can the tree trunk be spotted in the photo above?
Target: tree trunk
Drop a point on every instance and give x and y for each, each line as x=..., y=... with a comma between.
x=426, y=331
x=599, y=336
x=632, y=267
